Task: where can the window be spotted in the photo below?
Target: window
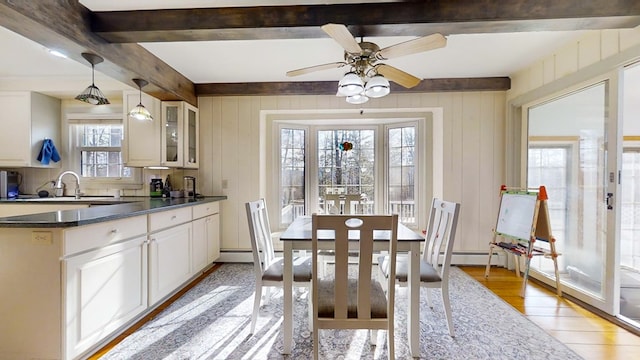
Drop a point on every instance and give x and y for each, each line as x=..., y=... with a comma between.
x=98, y=154
x=402, y=170
x=369, y=168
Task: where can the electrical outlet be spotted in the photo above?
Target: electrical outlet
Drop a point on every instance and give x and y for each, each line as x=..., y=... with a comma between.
x=42, y=237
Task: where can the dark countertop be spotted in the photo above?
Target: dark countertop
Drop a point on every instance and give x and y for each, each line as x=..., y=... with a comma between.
x=101, y=209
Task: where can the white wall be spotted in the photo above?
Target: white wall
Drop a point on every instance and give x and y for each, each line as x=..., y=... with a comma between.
x=232, y=135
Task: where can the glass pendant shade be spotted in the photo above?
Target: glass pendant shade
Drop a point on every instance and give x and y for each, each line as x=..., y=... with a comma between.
x=377, y=86
x=140, y=112
x=357, y=99
x=351, y=84
x=92, y=95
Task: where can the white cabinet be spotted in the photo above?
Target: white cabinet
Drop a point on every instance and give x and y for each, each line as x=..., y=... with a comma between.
x=105, y=289
x=169, y=261
x=180, y=129
x=104, y=280
x=31, y=118
x=141, y=145
x=206, y=235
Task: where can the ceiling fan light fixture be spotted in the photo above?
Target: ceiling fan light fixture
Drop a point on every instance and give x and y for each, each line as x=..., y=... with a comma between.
x=377, y=86
x=350, y=84
x=140, y=112
x=92, y=95
x=357, y=99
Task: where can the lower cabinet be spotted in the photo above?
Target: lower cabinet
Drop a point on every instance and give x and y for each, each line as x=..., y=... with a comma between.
x=169, y=260
x=105, y=289
x=206, y=241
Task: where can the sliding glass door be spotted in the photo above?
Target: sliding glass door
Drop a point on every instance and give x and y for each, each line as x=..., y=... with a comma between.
x=568, y=140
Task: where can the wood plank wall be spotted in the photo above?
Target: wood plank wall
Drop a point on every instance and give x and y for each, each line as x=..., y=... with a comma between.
x=232, y=152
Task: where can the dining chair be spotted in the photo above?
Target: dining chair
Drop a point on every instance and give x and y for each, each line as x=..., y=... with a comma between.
x=267, y=267
x=352, y=299
x=434, y=266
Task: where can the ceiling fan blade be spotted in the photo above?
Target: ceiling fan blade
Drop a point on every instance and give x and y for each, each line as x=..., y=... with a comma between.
x=398, y=76
x=425, y=43
x=343, y=36
x=311, y=69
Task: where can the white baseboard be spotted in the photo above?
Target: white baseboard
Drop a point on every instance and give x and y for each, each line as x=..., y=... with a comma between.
x=457, y=258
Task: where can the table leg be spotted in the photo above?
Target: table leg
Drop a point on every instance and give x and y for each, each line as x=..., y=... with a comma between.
x=288, y=297
x=413, y=311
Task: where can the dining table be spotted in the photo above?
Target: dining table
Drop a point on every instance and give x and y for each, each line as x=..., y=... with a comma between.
x=297, y=237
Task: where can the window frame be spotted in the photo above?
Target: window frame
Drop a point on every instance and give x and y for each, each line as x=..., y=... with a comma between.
x=381, y=182
x=75, y=152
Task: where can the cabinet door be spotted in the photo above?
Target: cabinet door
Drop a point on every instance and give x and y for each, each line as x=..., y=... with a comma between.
x=141, y=145
x=169, y=261
x=206, y=241
x=199, y=250
x=105, y=289
x=213, y=230
x=191, y=133
x=15, y=140
x=172, y=133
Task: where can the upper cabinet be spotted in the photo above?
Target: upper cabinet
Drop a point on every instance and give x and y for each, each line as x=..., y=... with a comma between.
x=29, y=119
x=180, y=127
x=141, y=146
x=171, y=139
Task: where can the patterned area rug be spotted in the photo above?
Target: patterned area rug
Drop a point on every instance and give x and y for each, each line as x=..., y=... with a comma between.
x=212, y=321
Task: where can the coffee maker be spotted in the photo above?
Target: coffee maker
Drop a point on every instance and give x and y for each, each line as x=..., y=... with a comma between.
x=190, y=186
x=9, y=183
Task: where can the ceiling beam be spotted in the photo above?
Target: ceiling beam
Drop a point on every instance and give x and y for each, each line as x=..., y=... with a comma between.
x=330, y=87
x=414, y=18
x=65, y=25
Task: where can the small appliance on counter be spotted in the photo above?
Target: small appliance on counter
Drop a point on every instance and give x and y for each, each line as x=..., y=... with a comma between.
x=155, y=188
x=190, y=187
x=9, y=184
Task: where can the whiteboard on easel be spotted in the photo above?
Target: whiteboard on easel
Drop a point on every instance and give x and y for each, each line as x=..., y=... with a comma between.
x=516, y=215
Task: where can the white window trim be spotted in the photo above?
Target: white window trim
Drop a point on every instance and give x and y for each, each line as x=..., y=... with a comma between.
x=381, y=152
x=134, y=182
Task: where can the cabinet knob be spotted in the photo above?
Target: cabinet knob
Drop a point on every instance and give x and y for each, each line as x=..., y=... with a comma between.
x=173, y=217
x=114, y=231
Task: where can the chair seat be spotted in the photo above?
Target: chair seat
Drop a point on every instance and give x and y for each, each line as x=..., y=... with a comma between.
x=326, y=297
x=301, y=270
x=427, y=272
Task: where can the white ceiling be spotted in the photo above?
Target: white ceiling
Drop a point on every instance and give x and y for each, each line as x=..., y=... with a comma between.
x=26, y=65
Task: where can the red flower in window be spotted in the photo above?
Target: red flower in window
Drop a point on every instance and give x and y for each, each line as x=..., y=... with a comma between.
x=345, y=146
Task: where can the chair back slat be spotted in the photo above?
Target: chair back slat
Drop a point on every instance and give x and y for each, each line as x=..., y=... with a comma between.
x=353, y=233
x=260, y=234
x=441, y=234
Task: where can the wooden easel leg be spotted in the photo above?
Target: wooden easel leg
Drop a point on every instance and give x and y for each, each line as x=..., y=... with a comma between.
x=516, y=260
x=554, y=256
x=488, y=268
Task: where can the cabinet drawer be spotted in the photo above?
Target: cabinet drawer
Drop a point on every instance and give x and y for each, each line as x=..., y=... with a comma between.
x=92, y=236
x=166, y=219
x=203, y=210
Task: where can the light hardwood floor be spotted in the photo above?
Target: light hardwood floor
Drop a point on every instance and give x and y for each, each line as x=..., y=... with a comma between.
x=589, y=335
x=586, y=333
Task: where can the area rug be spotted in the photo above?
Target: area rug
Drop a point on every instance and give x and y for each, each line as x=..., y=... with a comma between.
x=212, y=321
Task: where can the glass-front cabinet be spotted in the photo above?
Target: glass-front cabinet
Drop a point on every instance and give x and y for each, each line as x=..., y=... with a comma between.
x=179, y=134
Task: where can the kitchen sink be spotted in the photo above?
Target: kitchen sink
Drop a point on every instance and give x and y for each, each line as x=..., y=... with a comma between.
x=91, y=200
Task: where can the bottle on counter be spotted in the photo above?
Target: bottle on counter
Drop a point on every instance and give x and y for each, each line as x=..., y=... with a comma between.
x=166, y=190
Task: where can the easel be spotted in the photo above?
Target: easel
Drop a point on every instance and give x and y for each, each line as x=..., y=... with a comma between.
x=520, y=244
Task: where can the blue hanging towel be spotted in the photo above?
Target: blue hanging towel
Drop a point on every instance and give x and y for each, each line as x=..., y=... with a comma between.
x=48, y=152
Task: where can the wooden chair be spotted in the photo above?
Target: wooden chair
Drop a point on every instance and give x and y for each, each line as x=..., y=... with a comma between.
x=434, y=267
x=268, y=268
x=341, y=301
x=344, y=204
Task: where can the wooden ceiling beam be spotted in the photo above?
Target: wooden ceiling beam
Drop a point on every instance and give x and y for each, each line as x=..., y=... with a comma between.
x=414, y=18
x=65, y=25
x=330, y=87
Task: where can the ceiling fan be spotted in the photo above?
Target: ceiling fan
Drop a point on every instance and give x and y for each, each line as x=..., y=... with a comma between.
x=365, y=62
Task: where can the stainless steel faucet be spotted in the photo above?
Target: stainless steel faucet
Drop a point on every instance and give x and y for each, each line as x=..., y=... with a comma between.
x=59, y=187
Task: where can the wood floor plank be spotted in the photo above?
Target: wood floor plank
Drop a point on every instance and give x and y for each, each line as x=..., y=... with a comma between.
x=586, y=333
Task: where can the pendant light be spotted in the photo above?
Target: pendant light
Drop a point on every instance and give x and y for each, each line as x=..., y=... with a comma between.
x=140, y=112
x=92, y=94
